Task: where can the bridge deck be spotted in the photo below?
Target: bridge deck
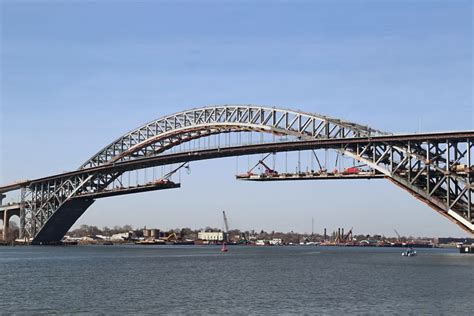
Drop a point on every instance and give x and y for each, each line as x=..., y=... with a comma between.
x=245, y=150
x=10, y=207
x=307, y=176
x=129, y=190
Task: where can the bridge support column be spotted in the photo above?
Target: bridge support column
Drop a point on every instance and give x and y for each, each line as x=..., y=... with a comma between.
x=4, y=216
x=21, y=234
x=5, y=224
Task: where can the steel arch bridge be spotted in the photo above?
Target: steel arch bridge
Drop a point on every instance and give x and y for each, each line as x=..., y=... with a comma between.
x=436, y=168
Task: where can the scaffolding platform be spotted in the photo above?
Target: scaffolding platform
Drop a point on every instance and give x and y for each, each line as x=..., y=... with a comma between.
x=307, y=176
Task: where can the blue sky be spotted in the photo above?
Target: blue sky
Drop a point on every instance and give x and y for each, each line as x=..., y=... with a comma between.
x=77, y=74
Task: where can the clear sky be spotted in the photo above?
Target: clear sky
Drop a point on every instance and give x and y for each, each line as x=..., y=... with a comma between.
x=77, y=74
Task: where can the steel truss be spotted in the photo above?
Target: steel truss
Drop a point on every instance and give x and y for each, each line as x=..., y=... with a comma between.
x=40, y=200
x=164, y=133
x=438, y=172
x=434, y=169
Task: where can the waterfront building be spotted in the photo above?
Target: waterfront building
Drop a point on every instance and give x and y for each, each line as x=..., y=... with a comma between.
x=276, y=242
x=211, y=236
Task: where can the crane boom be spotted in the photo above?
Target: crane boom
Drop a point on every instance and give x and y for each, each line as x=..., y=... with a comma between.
x=398, y=235
x=348, y=234
x=226, y=225
x=268, y=170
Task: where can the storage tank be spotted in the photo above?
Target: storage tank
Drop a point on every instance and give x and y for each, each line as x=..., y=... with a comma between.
x=146, y=233
x=153, y=232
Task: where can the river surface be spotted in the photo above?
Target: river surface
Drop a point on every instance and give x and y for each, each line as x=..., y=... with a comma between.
x=246, y=280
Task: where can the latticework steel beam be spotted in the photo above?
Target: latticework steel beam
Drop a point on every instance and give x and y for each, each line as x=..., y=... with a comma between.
x=438, y=172
x=435, y=168
x=160, y=134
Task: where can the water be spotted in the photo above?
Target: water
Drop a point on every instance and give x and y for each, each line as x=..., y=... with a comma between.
x=246, y=280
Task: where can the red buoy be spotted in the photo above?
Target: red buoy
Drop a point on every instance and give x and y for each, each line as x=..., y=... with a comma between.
x=224, y=248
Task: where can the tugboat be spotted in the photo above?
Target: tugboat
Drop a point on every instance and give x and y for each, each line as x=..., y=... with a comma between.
x=224, y=247
x=409, y=253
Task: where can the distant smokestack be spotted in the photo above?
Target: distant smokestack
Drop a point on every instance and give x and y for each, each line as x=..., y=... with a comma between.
x=325, y=235
x=342, y=232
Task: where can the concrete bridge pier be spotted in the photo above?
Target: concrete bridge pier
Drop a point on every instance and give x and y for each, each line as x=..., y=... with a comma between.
x=4, y=218
x=6, y=212
x=6, y=225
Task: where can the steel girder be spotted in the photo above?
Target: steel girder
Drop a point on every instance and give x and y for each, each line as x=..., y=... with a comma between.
x=42, y=200
x=438, y=172
x=424, y=168
x=397, y=158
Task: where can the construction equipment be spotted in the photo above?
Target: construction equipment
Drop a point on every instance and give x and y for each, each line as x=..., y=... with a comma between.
x=341, y=238
x=351, y=170
x=226, y=226
x=167, y=177
x=269, y=172
x=348, y=237
x=398, y=235
x=170, y=237
x=321, y=169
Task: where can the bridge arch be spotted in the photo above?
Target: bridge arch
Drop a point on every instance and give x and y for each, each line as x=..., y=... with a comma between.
x=165, y=132
x=424, y=169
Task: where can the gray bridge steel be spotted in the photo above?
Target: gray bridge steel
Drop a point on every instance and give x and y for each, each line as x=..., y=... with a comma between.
x=436, y=168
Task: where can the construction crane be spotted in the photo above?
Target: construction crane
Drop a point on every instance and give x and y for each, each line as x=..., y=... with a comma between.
x=226, y=226
x=167, y=176
x=341, y=238
x=349, y=234
x=268, y=170
x=398, y=235
x=242, y=236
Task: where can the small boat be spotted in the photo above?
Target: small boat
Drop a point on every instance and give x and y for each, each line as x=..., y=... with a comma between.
x=224, y=248
x=467, y=248
x=409, y=253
